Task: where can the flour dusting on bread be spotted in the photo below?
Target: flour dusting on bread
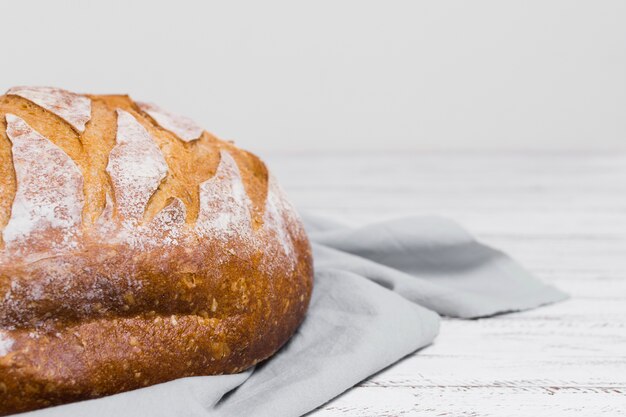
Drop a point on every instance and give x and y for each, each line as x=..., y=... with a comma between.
x=274, y=216
x=172, y=214
x=183, y=127
x=75, y=109
x=169, y=223
x=224, y=204
x=136, y=167
x=5, y=344
x=49, y=199
x=105, y=220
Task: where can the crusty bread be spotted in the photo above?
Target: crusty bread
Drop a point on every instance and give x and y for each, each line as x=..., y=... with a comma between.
x=136, y=248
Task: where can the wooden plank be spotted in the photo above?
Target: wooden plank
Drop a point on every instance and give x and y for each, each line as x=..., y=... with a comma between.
x=496, y=401
x=563, y=215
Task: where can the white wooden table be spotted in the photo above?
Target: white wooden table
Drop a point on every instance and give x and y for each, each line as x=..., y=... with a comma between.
x=562, y=215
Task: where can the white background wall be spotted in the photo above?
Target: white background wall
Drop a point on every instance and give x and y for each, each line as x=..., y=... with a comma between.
x=336, y=74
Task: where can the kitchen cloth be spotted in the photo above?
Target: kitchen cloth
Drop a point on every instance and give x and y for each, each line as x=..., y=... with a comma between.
x=378, y=296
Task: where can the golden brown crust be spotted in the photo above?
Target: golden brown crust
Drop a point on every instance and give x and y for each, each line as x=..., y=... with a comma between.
x=206, y=294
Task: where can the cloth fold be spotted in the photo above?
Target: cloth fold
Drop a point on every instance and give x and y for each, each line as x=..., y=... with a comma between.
x=378, y=294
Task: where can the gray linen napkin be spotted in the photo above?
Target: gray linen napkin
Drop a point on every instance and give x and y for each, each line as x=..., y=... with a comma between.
x=377, y=293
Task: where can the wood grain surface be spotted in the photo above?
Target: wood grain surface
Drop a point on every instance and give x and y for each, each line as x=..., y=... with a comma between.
x=562, y=215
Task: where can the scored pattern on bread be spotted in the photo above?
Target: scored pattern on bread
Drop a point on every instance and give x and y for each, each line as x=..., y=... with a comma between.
x=136, y=167
x=49, y=197
x=172, y=214
x=105, y=220
x=224, y=204
x=75, y=109
x=169, y=222
x=183, y=127
x=273, y=219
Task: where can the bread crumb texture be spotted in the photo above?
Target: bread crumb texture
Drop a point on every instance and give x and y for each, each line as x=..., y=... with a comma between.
x=131, y=237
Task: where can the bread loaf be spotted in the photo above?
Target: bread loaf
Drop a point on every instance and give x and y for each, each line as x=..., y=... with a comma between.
x=136, y=248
